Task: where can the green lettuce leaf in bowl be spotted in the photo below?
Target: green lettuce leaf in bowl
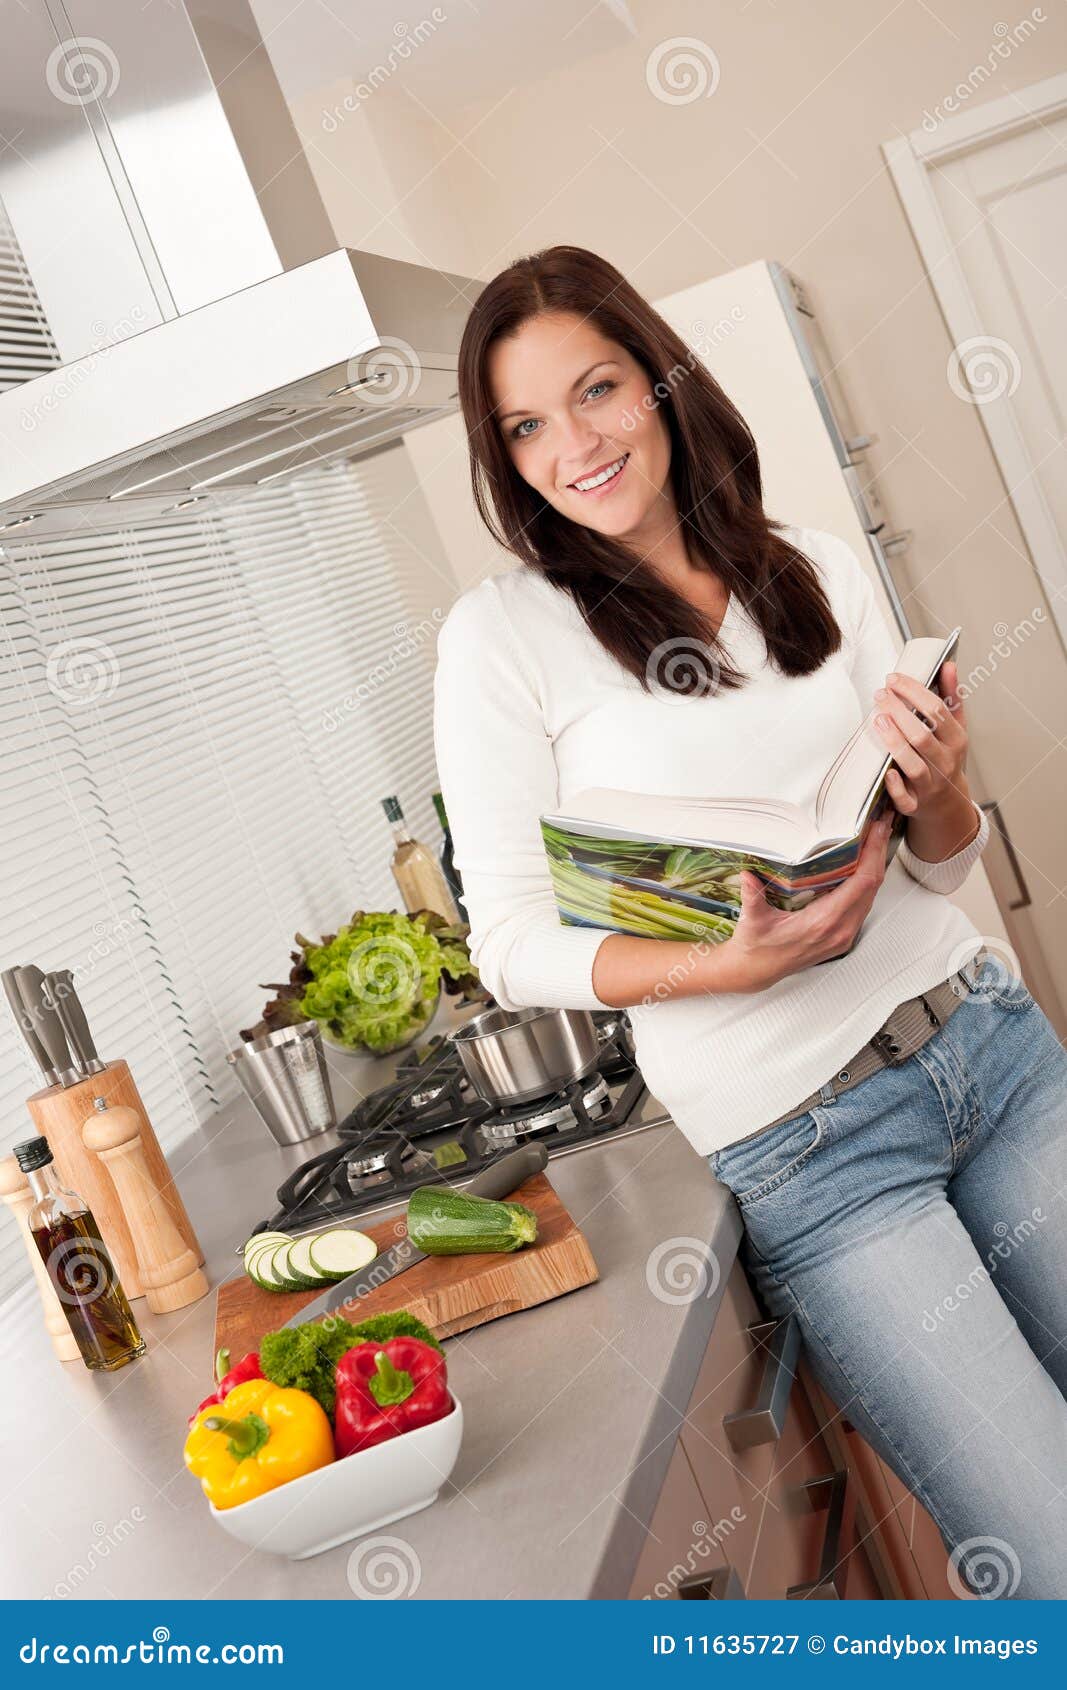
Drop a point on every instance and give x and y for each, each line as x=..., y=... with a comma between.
x=374, y=984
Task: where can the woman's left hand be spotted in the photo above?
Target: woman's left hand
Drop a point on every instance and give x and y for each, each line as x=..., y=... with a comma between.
x=928, y=777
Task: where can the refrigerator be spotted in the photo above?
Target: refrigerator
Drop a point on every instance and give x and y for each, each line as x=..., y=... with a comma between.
x=756, y=331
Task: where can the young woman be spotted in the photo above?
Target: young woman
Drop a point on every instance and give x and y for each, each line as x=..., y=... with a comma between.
x=902, y=1195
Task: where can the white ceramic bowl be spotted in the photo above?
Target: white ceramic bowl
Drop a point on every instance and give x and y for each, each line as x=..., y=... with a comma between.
x=353, y=1495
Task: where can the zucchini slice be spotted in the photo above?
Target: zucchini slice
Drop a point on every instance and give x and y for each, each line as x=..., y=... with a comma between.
x=301, y=1266
x=291, y=1269
x=340, y=1251
x=265, y=1269
x=277, y=1265
x=258, y=1241
x=256, y=1259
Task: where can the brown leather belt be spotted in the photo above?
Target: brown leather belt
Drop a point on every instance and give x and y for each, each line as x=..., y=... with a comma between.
x=904, y=1031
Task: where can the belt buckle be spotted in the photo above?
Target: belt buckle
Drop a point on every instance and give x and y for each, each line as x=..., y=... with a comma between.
x=969, y=973
x=889, y=1048
x=891, y=1044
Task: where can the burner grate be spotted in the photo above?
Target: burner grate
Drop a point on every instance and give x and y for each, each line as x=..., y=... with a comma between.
x=428, y=1125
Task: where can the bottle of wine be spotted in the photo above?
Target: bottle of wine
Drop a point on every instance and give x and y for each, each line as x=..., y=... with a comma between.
x=416, y=869
x=448, y=867
x=78, y=1265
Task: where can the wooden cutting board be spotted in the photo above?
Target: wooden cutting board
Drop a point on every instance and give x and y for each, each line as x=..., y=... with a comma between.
x=449, y=1293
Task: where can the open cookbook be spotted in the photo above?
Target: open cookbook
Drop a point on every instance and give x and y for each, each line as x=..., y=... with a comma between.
x=667, y=868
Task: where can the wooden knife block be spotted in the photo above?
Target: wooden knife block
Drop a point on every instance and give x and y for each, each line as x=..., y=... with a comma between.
x=59, y=1114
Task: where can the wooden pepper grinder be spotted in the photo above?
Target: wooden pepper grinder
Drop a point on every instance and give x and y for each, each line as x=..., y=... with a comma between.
x=169, y=1270
x=16, y=1193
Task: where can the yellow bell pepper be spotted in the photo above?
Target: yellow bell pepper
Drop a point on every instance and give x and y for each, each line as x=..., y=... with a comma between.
x=259, y=1436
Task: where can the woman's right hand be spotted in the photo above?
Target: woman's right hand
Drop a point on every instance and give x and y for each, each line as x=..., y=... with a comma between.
x=767, y=944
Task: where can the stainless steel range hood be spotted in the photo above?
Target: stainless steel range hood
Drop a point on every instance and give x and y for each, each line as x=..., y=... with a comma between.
x=214, y=338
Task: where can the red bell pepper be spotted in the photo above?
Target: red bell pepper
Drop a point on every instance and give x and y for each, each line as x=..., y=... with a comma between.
x=247, y=1368
x=386, y=1389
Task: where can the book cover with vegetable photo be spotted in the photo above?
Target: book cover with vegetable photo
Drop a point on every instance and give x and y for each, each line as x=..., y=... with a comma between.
x=662, y=867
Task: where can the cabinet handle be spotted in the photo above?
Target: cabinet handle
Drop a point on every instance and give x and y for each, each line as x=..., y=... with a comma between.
x=1023, y=900
x=723, y=1585
x=763, y=1422
x=827, y=1492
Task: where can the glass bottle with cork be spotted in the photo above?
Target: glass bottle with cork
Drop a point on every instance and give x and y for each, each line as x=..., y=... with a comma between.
x=447, y=857
x=78, y=1264
x=416, y=870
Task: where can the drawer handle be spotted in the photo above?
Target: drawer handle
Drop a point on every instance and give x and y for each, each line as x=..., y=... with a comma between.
x=763, y=1422
x=1022, y=902
x=723, y=1585
x=827, y=1492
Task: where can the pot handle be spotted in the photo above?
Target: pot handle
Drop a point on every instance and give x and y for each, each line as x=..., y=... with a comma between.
x=500, y=1179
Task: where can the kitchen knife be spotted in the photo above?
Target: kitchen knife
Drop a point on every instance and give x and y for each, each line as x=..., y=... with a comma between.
x=47, y=1024
x=498, y=1180
x=65, y=1001
x=25, y=1025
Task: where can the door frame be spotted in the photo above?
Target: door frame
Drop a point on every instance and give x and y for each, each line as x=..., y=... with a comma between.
x=910, y=159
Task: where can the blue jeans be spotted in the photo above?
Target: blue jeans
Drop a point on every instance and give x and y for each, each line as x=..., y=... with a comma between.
x=916, y=1227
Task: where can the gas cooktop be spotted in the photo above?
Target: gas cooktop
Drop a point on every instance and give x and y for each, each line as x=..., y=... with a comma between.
x=430, y=1124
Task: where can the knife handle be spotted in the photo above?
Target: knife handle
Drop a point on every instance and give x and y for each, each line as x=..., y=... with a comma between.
x=500, y=1178
x=47, y=1024
x=26, y=1028
x=64, y=999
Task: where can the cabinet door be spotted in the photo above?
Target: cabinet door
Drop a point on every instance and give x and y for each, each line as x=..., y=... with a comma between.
x=907, y=1541
x=679, y=1544
x=733, y=1482
x=793, y=1532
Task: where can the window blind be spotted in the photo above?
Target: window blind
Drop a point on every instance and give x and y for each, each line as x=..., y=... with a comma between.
x=201, y=717
x=26, y=345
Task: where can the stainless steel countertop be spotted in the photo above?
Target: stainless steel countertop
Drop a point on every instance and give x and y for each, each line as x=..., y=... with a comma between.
x=570, y=1409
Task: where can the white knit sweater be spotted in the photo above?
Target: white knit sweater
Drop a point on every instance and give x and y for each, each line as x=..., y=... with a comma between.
x=530, y=709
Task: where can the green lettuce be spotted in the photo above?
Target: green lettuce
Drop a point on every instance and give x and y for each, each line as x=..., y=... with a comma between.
x=376, y=981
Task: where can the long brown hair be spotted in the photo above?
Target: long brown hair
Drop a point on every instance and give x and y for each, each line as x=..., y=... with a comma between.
x=715, y=476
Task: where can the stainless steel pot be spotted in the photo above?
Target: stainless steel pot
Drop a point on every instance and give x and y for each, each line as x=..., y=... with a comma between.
x=515, y=1056
x=284, y=1075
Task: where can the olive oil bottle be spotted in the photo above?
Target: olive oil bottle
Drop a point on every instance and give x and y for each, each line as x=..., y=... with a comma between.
x=416, y=870
x=78, y=1265
x=447, y=857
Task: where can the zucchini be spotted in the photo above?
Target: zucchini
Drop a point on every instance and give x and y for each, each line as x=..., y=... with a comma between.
x=292, y=1271
x=258, y=1264
x=340, y=1251
x=259, y=1241
x=445, y=1222
x=259, y=1271
x=276, y=1266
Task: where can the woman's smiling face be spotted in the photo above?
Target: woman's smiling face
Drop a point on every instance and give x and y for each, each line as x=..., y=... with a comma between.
x=573, y=406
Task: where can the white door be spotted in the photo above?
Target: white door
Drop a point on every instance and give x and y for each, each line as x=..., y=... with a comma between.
x=985, y=192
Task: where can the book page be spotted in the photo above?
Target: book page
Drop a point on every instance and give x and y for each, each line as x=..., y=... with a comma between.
x=859, y=767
